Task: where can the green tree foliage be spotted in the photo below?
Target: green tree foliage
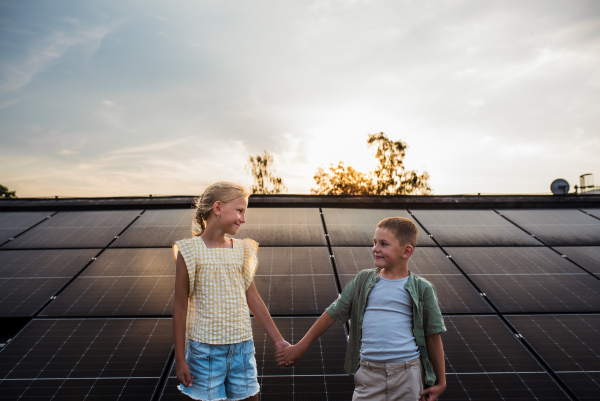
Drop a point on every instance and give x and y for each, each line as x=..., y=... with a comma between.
x=390, y=177
x=261, y=168
x=5, y=193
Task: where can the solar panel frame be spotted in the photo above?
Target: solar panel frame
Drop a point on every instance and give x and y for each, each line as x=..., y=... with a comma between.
x=567, y=343
x=557, y=227
x=484, y=344
x=585, y=385
x=14, y=223
x=44, y=263
x=356, y=227
x=593, y=211
x=283, y=227
x=25, y=296
x=89, y=229
x=88, y=348
x=133, y=262
x=472, y=228
x=586, y=256
x=157, y=228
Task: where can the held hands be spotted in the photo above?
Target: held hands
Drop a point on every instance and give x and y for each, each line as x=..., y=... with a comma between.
x=433, y=393
x=183, y=374
x=280, y=345
x=289, y=356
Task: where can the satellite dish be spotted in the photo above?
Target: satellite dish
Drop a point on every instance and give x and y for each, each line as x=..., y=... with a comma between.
x=559, y=187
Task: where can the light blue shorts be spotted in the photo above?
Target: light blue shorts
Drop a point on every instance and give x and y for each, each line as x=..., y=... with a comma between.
x=221, y=372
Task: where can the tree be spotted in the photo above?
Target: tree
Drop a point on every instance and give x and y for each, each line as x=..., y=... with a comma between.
x=390, y=177
x=261, y=168
x=5, y=193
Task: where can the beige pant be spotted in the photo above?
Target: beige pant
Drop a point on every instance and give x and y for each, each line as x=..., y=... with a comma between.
x=388, y=382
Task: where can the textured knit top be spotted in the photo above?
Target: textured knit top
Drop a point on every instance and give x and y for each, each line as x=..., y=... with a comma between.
x=219, y=277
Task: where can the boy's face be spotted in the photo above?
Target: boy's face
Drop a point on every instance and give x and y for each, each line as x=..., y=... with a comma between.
x=387, y=250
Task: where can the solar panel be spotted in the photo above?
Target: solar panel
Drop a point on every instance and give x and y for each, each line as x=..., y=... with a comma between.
x=283, y=227
x=115, y=296
x=471, y=228
x=455, y=293
x=295, y=280
x=593, y=212
x=313, y=388
x=356, y=227
x=568, y=343
x=586, y=256
x=24, y=296
x=503, y=386
x=133, y=262
x=325, y=356
x=75, y=230
x=585, y=385
x=558, y=227
x=529, y=279
x=79, y=389
x=157, y=228
x=88, y=348
x=483, y=344
x=47, y=263
x=14, y=223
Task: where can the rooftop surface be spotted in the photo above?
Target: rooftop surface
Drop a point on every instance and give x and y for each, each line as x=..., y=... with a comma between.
x=86, y=292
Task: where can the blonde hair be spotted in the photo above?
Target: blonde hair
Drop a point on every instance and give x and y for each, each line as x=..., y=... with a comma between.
x=222, y=191
x=403, y=229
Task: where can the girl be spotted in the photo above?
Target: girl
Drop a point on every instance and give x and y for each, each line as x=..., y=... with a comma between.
x=214, y=291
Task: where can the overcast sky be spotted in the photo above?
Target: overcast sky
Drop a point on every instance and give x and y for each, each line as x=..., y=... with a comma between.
x=110, y=98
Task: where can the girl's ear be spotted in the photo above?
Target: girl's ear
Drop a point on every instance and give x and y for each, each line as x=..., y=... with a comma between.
x=217, y=208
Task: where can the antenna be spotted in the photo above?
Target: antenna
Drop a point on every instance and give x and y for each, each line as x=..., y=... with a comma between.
x=559, y=187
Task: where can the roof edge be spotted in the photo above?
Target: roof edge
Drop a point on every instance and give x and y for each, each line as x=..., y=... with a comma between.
x=342, y=201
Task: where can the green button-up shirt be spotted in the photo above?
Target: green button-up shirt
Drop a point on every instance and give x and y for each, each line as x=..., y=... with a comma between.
x=351, y=304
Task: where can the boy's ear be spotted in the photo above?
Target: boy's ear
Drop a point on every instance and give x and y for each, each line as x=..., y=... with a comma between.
x=408, y=251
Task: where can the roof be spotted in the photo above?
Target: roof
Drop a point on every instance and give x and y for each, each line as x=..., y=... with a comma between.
x=86, y=291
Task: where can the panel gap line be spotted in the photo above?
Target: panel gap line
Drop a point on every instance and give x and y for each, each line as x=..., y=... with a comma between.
x=57, y=293
x=589, y=214
x=164, y=377
x=535, y=355
x=120, y=317
x=27, y=229
x=549, y=246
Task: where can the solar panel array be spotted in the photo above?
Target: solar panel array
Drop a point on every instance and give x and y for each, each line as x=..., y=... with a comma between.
x=520, y=291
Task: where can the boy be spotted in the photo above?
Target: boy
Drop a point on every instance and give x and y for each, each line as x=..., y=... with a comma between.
x=394, y=347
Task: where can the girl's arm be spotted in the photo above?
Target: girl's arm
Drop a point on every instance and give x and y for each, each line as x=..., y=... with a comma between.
x=263, y=317
x=182, y=282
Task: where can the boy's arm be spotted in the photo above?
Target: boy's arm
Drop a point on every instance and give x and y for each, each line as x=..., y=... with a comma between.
x=263, y=317
x=180, y=305
x=292, y=354
x=435, y=349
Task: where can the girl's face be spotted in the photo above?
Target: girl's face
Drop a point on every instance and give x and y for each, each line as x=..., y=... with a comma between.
x=233, y=215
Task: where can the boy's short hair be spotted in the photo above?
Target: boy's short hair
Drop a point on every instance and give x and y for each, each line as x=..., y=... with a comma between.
x=403, y=229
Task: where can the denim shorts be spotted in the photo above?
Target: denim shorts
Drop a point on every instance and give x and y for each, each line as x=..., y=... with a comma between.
x=221, y=372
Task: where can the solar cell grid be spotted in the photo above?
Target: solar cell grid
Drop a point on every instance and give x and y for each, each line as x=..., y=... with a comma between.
x=75, y=230
x=88, y=348
x=510, y=386
x=133, y=262
x=568, y=343
x=44, y=263
x=471, y=228
x=132, y=389
x=283, y=227
x=478, y=344
x=455, y=293
x=585, y=385
x=295, y=280
x=157, y=228
x=115, y=296
x=326, y=355
x=558, y=227
x=24, y=296
x=586, y=256
x=356, y=227
x=14, y=223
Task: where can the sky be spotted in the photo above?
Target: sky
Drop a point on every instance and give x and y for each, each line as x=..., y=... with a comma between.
x=132, y=97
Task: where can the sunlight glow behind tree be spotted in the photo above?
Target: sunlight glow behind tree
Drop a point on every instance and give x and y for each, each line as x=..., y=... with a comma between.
x=261, y=168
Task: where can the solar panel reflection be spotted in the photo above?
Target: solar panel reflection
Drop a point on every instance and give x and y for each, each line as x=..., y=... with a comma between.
x=586, y=256
x=558, y=227
x=75, y=230
x=44, y=263
x=157, y=228
x=356, y=227
x=283, y=227
x=471, y=228
x=14, y=223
